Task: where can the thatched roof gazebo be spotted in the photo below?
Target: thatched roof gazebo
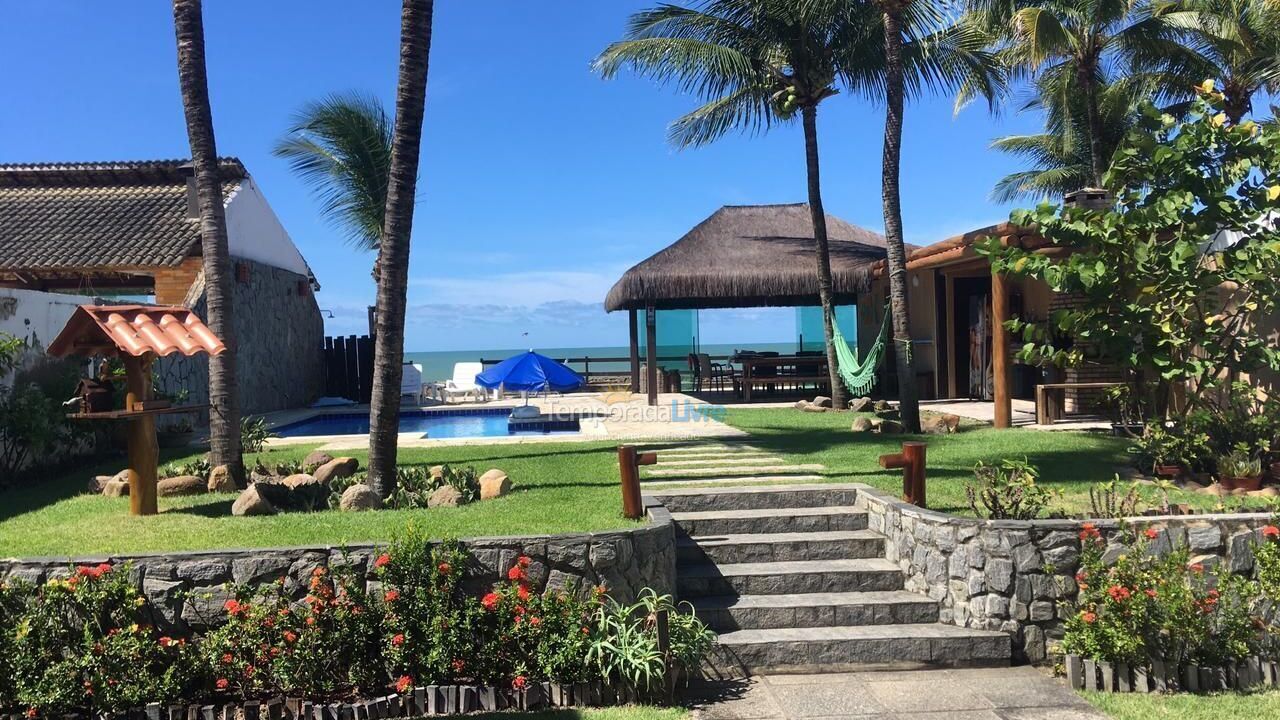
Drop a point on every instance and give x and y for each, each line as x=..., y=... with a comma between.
x=743, y=256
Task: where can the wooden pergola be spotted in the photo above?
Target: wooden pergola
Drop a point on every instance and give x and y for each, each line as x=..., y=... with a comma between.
x=137, y=334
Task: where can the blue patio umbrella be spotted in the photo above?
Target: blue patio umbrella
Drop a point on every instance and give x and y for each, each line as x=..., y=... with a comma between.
x=530, y=372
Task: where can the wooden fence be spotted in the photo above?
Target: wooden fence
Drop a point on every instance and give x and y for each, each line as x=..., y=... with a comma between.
x=348, y=365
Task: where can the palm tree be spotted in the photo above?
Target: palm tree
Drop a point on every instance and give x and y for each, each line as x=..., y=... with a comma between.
x=754, y=63
x=397, y=229
x=224, y=419
x=341, y=146
x=1236, y=42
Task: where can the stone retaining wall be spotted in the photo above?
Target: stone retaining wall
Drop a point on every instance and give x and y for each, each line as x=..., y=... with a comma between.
x=1012, y=575
x=189, y=588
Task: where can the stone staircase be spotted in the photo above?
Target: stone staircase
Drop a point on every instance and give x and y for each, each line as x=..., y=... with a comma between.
x=726, y=462
x=793, y=580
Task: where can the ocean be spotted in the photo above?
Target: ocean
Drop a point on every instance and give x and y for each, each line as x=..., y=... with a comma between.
x=438, y=366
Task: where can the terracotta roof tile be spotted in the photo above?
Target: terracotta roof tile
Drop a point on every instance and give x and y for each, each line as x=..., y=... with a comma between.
x=134, y=330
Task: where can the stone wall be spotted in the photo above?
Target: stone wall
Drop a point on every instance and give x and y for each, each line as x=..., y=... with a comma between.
x=279, y=335
x=189, y=588
x=1014, y=575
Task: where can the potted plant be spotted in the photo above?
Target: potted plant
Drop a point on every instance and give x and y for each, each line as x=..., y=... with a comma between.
x=1240, y=470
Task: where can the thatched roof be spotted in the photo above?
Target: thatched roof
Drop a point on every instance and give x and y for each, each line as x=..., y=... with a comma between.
x=750, y=256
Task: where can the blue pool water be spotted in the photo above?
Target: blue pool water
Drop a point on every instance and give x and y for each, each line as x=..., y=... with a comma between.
x=479, y=422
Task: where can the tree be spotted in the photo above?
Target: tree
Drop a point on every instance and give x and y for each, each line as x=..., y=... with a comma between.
x=1235, y=41
x=758, y=63
x=397, y=230
x=341, y=146
x=224, y=418
x=1176, y=278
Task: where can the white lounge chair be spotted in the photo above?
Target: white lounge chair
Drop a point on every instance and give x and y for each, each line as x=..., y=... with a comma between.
x=464, y=382
x=411, y=381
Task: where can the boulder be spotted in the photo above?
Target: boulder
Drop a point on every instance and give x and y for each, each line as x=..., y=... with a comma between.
x=1190, y=485
x=814, y=408
x=890, y=427
x=315, y=459
x=97, y=482
x=801, y=404
x=306, y=492
x=181, y=485
x=221, y=481
x=359, y=497
x=494, y=484
x=336, y=468
x=861, y=425
x=861, y=404
x=1214, y=489
x=822, y=401
x=115, y=487
x=445, y=496
x=293, y=482
x=261, y=474
x=889, y=414
x=251, y=502
x=881, y=406
x=1265, y=492
x=275, y=492
x=436, y=472
x=940, y=424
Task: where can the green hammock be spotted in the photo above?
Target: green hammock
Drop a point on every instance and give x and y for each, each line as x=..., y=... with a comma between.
x=859, y=376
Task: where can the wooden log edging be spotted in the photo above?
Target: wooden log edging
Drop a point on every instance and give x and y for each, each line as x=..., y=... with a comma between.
x=421, y=701
x=1157, y=676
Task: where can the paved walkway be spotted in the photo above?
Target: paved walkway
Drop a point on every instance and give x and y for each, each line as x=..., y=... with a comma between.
x=1021, y=693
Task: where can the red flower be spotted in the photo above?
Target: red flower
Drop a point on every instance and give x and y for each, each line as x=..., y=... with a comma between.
x=227, y=659
x=234, y=607
x=599, y=590
x=290, y=636
x=515, y=573
x=535, y=621
x=398, y=639
x=1151, y=593
x=1151, y=533
x=31, y=712
x=519, y=683
x=248, y=670
x=444, y=568
x=522, y=593
x=221, y=684
x=311, y=621
x=404, y=683
x=318, y=571
x=165, y=641
x=1119, y=593
x=523, y=561
x=1196, y=568
x=391, y=596
x=1271, y=532
x=1089, y=531
x=458, y=665
x=382, y=560
x=490, y=601
x=586, y=630
x=1088, y=617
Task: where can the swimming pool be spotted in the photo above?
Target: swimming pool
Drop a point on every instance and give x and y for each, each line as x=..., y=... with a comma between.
x=460, y=423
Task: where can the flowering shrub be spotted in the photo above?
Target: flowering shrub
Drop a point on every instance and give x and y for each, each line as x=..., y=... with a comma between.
x=86, y=641
x=12, y=604
x=1150, y=605
x=1007, y=491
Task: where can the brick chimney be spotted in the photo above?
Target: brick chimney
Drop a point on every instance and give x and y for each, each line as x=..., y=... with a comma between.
x=1089, y=199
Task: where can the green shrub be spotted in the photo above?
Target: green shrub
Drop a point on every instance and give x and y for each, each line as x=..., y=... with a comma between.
x=254, y=434
x=1007, y=491
x=13, y=600
x=625, y=647
x=198, y=467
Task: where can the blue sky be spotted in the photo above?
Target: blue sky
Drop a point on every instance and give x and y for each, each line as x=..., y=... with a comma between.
x=540, y=183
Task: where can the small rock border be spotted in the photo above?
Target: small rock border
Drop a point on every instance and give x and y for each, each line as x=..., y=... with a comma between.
x=418, y=702
x=1157, y=676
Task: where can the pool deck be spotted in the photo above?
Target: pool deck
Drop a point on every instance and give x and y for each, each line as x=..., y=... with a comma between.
x=612, y=416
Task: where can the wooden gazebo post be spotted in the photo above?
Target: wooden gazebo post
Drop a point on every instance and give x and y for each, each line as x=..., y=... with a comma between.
x=651, y=352
x=1000, y=369
x=143, y=448
x=634, y=332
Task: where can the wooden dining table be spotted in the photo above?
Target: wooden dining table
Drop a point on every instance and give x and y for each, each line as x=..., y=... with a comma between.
x=781, y=370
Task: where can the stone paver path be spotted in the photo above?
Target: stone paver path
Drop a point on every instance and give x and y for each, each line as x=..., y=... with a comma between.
x=721, y=462
x=1021, y=693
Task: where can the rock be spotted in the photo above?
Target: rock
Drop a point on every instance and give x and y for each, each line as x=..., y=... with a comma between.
x=815, y=408
x=221, y=481
x=445, y=496
x=1239, y=492
x=494, y=484
x=261, y=475
x=881, y=406
x=1265, y=492
x=251, y=502
x=115, y=487
x=436, y=472
x=336, y=468
x=181, y=485
x=822, y=401
x=97, y=482
x=940, y=424
x=890, y=427
x=1190, y=485
x=293, y=482
x=861, y=425
x=862, y=404
x=360, y=497
x=801, y=404
x=275, y=492
x=315, y=459
x=1214, y=489
x=889, y=414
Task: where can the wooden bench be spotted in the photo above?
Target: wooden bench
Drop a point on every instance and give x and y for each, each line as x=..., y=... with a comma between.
x=1051, y=398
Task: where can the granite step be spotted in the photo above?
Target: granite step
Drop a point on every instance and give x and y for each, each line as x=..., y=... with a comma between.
x=667, y=447
x=685, y=461
x=743, y=469
x=783, y=578
x=659, y=484
x=833, y=648
x=796, y=495
x=778, y=547
x=766, y=612
x=710, y=455
x=770, y=520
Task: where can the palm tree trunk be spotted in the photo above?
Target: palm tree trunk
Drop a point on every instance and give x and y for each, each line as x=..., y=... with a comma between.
x=809, y=114
x=908, y=400
x=224, y=418
x=1096, y=155
x=397, y=229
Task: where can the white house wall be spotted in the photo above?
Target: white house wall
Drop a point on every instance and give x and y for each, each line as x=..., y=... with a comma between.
x=255, y=233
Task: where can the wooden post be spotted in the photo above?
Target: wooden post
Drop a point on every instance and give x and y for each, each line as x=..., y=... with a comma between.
x=949, y=336
x=912, y=462
x=144, y=451
x=635, y=350
x=1000, y=367
x=651, y=352
x=629, y=462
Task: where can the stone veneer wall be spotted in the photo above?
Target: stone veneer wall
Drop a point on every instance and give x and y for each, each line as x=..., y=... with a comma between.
x=189, y=588
x=279, y=336
x=1011, y=575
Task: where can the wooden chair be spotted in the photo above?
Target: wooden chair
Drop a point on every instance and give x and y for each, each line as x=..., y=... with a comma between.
x=715, y=374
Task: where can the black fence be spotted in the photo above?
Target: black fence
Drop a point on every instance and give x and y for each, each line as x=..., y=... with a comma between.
x=348, y=366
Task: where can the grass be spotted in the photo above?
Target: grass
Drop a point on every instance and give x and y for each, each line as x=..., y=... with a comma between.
x=558, y=487
x=1183, y=706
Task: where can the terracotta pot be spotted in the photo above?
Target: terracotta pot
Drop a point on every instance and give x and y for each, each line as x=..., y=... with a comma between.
x=1241, y=483
x=1227, y=482
x=1168, y=471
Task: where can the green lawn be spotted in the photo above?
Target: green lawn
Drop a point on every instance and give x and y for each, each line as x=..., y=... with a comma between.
x=1221, y=706
x=559, y=487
